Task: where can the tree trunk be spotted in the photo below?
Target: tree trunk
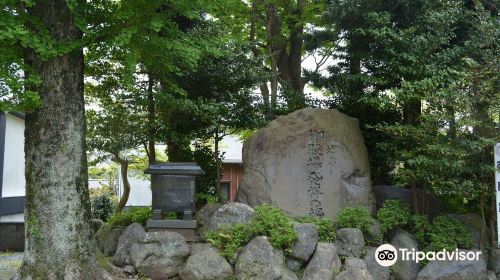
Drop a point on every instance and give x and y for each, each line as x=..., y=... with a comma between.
x=59, y=240
x=295, y=81
x=412, y=110
x=178, y=151
x=483, y=233
x=493, y=219
x=484, y=129
x=264, y=90
x=274, y=48
x=151, y=122
x=355, y=86
x=126, y=184
x=217, y=163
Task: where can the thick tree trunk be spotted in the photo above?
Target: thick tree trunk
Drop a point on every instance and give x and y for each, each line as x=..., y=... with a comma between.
x=59, y=242
x=126, y=184
x=412, y=111
x=295, y=81
x=286, y=55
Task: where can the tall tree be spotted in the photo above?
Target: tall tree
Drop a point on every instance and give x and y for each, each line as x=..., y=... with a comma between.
x=45, y=39
x=275, y=31
x=59, y=241
x=420, y=61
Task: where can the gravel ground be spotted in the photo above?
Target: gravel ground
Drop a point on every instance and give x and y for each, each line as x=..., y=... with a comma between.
x=9, y=263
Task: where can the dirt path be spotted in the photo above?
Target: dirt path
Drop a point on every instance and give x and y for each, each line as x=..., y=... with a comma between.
x=9, y=263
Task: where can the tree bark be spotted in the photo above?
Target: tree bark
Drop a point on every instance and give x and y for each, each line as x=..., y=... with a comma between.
x=151, y=122
x=126, y=184
x=355, y=86
x=178, y=151
x=274, y=49
x=412, y=111
x=295, y=81
x=483, y=233
x=256, y=53
x=217, y=163
x=286, y=55
x=59, y=240
x=493, y=219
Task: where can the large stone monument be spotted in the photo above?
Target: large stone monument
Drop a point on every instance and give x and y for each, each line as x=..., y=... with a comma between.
x=310, y=162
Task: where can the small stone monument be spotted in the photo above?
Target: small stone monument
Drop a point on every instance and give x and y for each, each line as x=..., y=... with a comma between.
x=173, y=190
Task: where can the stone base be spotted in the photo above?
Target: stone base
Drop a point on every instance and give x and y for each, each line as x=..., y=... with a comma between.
x=186, y=228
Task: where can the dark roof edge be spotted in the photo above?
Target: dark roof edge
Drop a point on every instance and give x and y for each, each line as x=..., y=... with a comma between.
x=20, y=115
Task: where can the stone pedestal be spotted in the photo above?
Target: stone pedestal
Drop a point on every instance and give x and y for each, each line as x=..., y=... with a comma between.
x=186, y=228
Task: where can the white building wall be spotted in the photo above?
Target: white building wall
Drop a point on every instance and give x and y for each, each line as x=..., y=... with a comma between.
x=14, y=218
x=140, y=190
x=13, y=173
x=14, y=182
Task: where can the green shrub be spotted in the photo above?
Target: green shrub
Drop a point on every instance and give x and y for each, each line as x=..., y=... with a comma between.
x=267, y=221
x=230, y=239
x=325, y=227
x=448, y=233
x=102, y=206
x=393, y=214
x=133, y=215
x=206, y=198
x=355, y=217
x=170, y=216
x=275, y=224
x=420, y=226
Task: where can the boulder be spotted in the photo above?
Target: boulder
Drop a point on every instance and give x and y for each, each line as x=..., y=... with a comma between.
x=473, y=223
x=206, y=264
x=384, y=192
x=289, y=275
x=107, y=238
x=195, y=248
x=204, y=215
x=324, y=264
x=229, y=214
x=350, y=242
x=129, y=269
x=407, y=269
x=131, y=235
x=293, y=264
x=494, y=261
x=377, y=271
x=307, y=238
x=374, y=235
x=159, y=255
x=455, y=269
x=355, y=269
x=310, y=162
x=259, y=260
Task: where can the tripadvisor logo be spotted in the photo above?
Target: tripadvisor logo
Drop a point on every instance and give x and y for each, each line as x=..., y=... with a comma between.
x=387, y=255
